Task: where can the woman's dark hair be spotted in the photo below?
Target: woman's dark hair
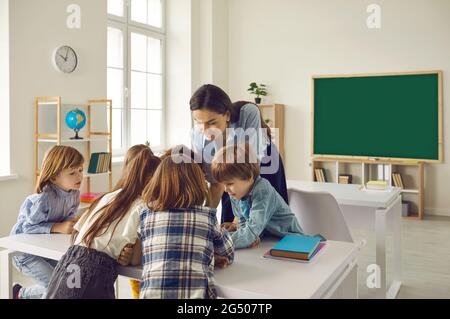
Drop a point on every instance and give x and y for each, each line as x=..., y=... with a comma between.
x=213, y=98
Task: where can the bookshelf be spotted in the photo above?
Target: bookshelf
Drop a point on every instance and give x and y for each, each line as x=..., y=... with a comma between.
x=49, y=115
x=274, y=114
x=362, y=171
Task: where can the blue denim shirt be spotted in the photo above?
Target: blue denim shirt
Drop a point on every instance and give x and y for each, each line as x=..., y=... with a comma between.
x=39, y=212
x=269, y=214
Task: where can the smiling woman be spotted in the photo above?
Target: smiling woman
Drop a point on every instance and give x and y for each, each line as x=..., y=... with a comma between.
x=220, y=122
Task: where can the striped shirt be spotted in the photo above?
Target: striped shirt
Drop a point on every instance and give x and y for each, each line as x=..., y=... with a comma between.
x=39, y=212
x=178, y=248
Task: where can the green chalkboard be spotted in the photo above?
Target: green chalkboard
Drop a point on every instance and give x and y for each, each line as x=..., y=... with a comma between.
x=382, y=116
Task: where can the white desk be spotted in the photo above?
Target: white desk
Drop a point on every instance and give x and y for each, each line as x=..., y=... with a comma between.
x=333, y=274
x=371, y=209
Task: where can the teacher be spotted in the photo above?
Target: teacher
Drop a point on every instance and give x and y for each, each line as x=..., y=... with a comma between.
x=219, y=122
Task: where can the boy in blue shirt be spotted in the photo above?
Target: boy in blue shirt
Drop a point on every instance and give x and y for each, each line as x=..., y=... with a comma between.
x=255, y=203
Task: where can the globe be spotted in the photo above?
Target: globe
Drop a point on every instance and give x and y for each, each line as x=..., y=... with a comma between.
x=76, y=120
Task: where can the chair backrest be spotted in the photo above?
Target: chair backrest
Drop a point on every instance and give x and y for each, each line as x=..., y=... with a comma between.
x=319, y=213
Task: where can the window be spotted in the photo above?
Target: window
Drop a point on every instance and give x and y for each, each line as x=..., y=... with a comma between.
x=135, y=72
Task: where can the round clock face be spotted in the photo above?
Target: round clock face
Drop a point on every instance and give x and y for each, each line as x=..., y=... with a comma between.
x=65, y=59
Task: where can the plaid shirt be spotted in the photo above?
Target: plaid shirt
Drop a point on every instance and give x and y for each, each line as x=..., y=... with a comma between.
x=178, y=248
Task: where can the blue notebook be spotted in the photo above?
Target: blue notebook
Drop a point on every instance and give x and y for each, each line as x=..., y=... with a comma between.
x=296, y=246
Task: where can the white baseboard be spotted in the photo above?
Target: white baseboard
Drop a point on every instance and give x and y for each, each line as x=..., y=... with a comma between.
x=437, y=212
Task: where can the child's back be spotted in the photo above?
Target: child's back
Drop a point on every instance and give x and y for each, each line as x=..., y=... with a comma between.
x=178, y=248
x=118, y=234
x=179, y=237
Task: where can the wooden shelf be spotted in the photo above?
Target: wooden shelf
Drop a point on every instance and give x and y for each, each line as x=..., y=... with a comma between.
x=410, y=191
x=67, y=141
x=89, y=137
x=332, y=167
x=275, y=113
x=96, y=174
x=413, y=216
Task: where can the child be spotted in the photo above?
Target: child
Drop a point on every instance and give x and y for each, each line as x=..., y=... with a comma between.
x=102, y=232
x=51, y=210
x=257, y=205
x=179, y=237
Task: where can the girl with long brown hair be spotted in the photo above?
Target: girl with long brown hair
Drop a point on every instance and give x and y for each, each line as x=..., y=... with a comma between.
x=50, y=210
x=100, y=235
x=180, y=237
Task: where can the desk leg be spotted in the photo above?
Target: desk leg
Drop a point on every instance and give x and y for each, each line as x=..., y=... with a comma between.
x=380, y=239
x=397, y=271
x=116, y=286
x=6, y=274
x=380, y=235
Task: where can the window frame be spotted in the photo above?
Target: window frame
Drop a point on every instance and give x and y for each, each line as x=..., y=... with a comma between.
x=127, y=26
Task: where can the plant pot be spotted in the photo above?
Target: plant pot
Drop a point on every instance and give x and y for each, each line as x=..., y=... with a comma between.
x=257, y=100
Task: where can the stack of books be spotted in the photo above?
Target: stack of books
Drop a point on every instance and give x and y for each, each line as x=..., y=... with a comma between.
x=345, y=179
x=89, y=197
x=320, y=175
x=99, y=163
x=296, y=247
x=377, y=185
x=397, y=180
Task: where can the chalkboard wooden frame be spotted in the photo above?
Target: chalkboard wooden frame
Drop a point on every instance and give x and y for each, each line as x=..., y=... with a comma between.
x=384, y=159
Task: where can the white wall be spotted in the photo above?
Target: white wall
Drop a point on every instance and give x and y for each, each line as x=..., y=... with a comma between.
x=36, y=28
x=4, y=87
x=197, y=53
x=283, y=42
x=179, y=71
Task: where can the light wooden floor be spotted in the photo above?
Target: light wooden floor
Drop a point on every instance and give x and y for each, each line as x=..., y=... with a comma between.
x=425, y=260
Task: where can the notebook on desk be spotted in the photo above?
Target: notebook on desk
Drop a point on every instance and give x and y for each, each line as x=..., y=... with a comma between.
x=297, y=247
x=313, y=256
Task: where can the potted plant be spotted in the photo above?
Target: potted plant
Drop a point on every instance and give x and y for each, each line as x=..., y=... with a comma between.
x=258, y=90
x=268, y=122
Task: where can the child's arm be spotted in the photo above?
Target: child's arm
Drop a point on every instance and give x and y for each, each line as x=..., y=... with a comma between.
x=136, y=258
x=249, y=231
x=35, y=216
x=131, y=254
x=223, y=245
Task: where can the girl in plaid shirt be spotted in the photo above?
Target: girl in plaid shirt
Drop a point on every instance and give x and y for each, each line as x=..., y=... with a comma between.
x=180, y=238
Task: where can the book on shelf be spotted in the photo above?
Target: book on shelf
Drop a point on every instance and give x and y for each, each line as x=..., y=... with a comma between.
x=320, y=175
x=99, y=163
x=397, y=180
x=89, y=197
x=296, y=246
x=377, y=185
x=345, y=179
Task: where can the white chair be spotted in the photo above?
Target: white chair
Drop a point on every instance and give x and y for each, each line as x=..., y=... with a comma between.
x=319, y=213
